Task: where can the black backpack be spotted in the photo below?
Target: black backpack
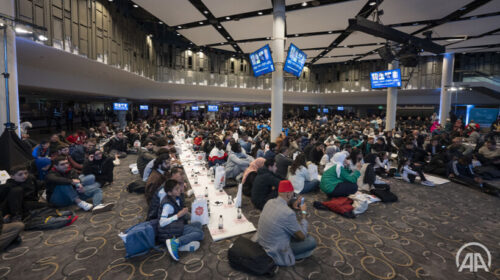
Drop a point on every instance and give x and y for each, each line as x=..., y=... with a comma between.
x=383, y=191
x=248, y=256
x=138, y=186
x=48, y=218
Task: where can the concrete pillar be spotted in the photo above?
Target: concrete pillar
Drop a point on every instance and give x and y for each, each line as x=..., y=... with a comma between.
x=9, y=91
x=155, y=111
x=278, y=48
x=123, y=114
x=392, y=102
x=446, y=81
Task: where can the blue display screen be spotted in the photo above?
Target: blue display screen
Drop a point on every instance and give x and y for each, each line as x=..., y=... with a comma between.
x=340, y=108
x=269, y=109
x=306, y=108
x=213, y=108
x=143, y=107
x=385, y=79
x=195, y=108
x=120, y=106
x=295, y=61
x=262, y=61
x=236, y=109
x=325, y=110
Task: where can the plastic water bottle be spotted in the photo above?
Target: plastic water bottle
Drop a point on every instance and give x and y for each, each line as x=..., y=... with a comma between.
x=196, y=180
x=229, y=200
x=239, y=213
x=221, y=225
x=206, y=191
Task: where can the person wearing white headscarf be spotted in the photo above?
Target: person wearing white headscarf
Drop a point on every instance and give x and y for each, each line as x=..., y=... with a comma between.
x=340, y=180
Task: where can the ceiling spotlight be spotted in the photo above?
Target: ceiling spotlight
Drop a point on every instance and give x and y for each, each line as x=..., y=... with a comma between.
x=218, y=26
x=160, y=22
x=179, y=26
x=110, y=0
x=21, y=30
x=304, y=4
x=42, y=38
x=222, y=43
x=330, y=32
x=260, y=13
x=205, y=12
x=228, y=37
x=228, y=18
x=296, y=35
x=373, y=3
x=178, y=34
x=268, y=38
x=135, y=6
x=201, y=22
x=190, y=43
x=1, y=24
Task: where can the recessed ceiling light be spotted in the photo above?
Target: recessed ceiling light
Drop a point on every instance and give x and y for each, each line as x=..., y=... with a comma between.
x=160, y=22
x=201, y=22
x=268, y=38
x=330, y=32
x=135, y=6
x=190, y=43
x=219, y=26
x=296, y=35
x=178, y=34
x=228, y=18
x=206, y=12
x=222, y=43
x=373, y=3
x=260, y=13
x=179, y=26
x=304, y=4
x=228, y=37
x=110, y=0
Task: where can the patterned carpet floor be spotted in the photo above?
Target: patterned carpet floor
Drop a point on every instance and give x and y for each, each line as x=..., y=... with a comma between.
x=414, y=238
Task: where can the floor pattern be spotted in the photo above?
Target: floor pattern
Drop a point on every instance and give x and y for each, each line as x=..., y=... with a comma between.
x=415, y=238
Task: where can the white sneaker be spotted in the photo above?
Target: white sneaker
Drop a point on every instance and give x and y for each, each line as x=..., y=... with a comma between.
x=405, y=176
x=102, y=208
x=190, y=247
x=85, y=205
x=428, y=183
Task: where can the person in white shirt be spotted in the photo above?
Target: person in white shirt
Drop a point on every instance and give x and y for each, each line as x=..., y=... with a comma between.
x=299, y=176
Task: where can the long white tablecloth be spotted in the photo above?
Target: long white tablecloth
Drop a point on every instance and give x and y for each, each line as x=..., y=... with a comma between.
x=218, y=200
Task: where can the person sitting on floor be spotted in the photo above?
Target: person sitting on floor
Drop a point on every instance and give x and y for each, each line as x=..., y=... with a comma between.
x=217, y=154
x=41, y=150
x=117, y=145
x=237, y=162
x=174, y=174
x=489, y=154
x=146, y=154
x=158, y=176
x=65, y=187
x=172, y=228
x=265, y=185
x=100, y=166
x=283, y=161
x=20, y=194
x=250, y=174
x=63, y=150
x=326, y=160
x=282, y=236
x=412, y=161
x=461, y=171
x=299, y=175
x=339, y=180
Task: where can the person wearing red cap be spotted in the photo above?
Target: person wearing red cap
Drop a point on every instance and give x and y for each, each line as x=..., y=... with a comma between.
x=279, y=232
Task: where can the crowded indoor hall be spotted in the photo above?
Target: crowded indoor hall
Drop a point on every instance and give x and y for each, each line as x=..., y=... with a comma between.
x=242, y=139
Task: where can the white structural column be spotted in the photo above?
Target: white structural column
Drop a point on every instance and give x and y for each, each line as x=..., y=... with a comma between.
x=122, y=115
x=7, y=8
x=446, y=81
x=278, y=48
x=392, y=102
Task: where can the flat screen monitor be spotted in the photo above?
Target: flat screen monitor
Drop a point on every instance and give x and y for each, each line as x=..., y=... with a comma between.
x=262, y=61
x=295, y=61
x=340, y=108
x=120, y=106
x=306, y=108
x=325, y=110
x=195, y=108
x=143, y=107
x=236, y=109
x=319, y=110
x=385, y=79
x=213, y=108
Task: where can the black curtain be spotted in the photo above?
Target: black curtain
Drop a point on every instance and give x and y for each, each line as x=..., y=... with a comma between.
x=13, y=151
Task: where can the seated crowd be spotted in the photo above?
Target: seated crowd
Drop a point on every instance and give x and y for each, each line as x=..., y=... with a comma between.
x=350, y=154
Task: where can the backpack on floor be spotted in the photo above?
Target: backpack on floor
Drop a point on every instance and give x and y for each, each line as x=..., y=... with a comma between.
x=248, y=256
x=48, y=218
x=384, y=194
x=138, y=186
x=139, y=239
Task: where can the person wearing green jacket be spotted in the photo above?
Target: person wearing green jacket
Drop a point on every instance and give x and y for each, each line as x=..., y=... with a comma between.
x=339, y=180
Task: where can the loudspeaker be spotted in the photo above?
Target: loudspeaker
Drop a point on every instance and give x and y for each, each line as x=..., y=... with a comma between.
x=386, y=54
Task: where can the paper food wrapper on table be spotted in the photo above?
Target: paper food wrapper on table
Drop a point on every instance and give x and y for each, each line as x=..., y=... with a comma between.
x=220, y=177
x=313, y=171
x=4, y=176
x=199, y=211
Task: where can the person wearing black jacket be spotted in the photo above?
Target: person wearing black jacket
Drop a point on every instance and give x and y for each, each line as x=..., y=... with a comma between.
x=265, y=185
x=282, y=162
x=317, y=152
x=100, y=166
x=64, y=188
x=117, y=145
x=20, y=193
x=146, y=154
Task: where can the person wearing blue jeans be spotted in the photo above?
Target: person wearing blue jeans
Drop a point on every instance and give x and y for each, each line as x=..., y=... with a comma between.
x=178, y=236
x=65, y=188
x=310, y=186
x=303, y=249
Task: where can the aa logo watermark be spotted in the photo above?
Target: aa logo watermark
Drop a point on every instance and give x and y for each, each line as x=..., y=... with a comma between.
x=473, y=261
